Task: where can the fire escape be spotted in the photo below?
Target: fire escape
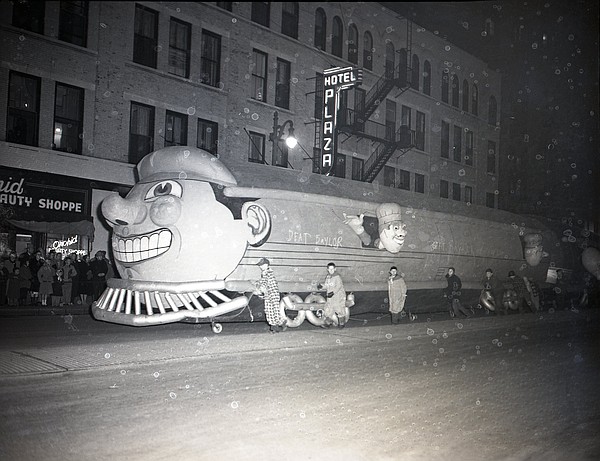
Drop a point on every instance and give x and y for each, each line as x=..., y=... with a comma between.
x=355, y=122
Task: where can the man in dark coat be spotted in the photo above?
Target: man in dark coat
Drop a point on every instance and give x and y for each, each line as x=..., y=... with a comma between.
x=99, y=268
x=452, y=293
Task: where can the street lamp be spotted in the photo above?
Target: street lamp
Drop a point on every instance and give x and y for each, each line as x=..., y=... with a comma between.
x=278, y=135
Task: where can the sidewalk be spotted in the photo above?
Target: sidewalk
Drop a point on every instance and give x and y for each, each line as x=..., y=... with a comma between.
x=20, y=311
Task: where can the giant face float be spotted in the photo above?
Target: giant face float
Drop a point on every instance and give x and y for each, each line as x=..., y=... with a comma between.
x=170, y=228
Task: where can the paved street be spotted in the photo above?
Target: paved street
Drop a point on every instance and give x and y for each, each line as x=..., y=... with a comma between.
x=509, y=388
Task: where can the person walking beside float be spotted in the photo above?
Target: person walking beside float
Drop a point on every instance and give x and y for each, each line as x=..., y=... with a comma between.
x=268, y=289
x=335, y=304
x=452, y=293
x=397, y=295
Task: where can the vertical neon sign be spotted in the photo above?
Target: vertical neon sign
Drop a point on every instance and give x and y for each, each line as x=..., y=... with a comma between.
x=335, y=80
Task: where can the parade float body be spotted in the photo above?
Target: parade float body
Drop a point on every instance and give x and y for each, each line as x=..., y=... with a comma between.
x=187, y=238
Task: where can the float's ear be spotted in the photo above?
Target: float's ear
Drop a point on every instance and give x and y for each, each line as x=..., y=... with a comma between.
x=258, y=219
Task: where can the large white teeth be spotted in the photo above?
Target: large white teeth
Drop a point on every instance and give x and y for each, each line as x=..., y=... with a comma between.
x=142, y=247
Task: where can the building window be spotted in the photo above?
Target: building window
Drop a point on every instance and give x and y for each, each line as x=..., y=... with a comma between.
x=261, y=11
x=318, y=112
x=457, y=148
x=141, y=131
x=445, y=141
x=68, y=119
x=73, y=22
x=225, y=5
x=145, y=42
x=427, y=78
x=211, y=59
x=469, y=148
x=179, y=48
x=289, y=19
x=468, y=194
x=445, y=85
x=29, y=15
x=419, y=183
x=338, y=37
x=491, y=157
x=282, y=85
x=475, y=100
x=404, y=182
x=415, y=73
x=280, y=154
x=23, y=109
x=465, y=96
x=389, y=176
x=175, y=129
x=455, y=91
x=259, y=76
x=443, y=188
x=357, y=168
x=256, y=151
x=456, y=192
x=353, y=44
x=340, y=166
x=490, y=200
x=420, y=131
x=493, y=111
x=360, y=96
x=368, y=50
x=320, y=29
x=390, y=63
x=208, y=136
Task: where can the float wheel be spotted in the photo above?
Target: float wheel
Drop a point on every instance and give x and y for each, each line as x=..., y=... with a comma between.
x=217, y=328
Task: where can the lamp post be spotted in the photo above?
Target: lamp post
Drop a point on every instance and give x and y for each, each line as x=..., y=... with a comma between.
x=277, y=135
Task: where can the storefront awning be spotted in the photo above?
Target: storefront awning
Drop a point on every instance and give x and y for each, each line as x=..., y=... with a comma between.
x=64, y=228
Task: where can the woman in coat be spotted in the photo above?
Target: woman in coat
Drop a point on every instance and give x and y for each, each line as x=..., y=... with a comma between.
x=396, y=294
x=45, y=276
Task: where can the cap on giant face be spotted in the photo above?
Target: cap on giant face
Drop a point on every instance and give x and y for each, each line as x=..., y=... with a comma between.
x=170, y=227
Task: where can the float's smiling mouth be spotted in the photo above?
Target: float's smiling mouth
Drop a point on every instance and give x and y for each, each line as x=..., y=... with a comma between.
x=141, y=247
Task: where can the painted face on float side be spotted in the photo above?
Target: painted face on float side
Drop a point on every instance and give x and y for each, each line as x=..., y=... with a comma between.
x=175, y=231
x=392, y=236
x=533, y=251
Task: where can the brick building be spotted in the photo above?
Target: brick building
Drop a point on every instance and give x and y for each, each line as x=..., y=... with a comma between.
x=91, y=87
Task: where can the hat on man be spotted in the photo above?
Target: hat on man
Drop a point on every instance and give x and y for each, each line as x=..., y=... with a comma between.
x=263, y=261
x=388, y=213
x=511, y=274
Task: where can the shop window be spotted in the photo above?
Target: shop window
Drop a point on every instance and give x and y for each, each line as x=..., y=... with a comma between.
x=68, y=118
x=368, y=50
x=208, y=136
x=23, y=109
x=353, y=44
x=29, y=15
x=419, y=183
x=320, y=29
x=176, y=127
x=145, y=39
x=389, y=176
x=456, y=192
x=141, y=131
x=256, y=150
x=337, y=38
x=340, y=166
x=445, y=141
x=404, y=182
x=211, y=59
x=282, y=85
x=73, y=22
x=261, y=11
x=457, y=148
x=259, y=76
x=427, y=78
x=443, y=188
x=357, y=168
x=179, y=48
x=289, y=19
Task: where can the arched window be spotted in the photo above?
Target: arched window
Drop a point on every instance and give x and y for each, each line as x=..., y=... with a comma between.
x=455, y=88
x=320, y=28
x=368, y=51
x=289, y=19
x=337, y=38
x=390, y=59
x=493, y=111
x=353, y=44
x=427, y=78
x=415, y=72
x=465, y=96
x=475, y=100
x=445, y=85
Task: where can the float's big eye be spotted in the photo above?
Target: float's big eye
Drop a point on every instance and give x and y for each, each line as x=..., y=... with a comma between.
x=164, y=188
